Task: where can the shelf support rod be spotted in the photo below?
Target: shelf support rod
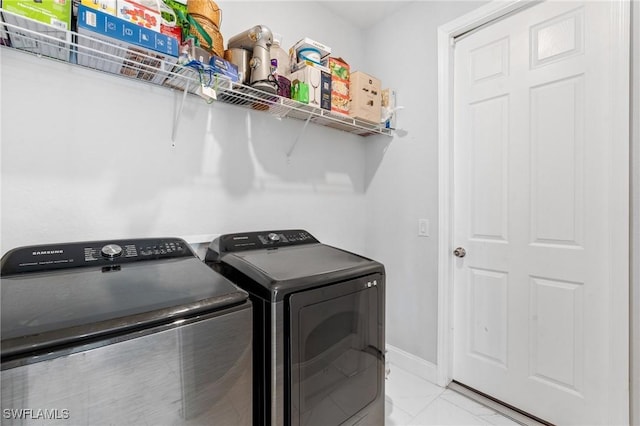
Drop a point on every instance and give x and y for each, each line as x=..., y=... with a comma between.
x=306, y=122
x=176, y=119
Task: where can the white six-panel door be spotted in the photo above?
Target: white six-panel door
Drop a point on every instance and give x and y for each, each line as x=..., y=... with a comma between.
x=532, y=208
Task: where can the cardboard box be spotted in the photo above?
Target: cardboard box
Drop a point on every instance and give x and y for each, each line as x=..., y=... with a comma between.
x=312, y=76
x=365, y=96
x=141, y=12
x=104, y=6
x=340, y=73
x=130, y=49
x=224, y=68
x=300, y=91
x=389, y=103
x=51, y=19
x=307, y=43
x=325, y=91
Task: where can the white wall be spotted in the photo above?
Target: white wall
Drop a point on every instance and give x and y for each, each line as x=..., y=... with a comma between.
x=89, y=156
x=403, y=174
x=635, y=217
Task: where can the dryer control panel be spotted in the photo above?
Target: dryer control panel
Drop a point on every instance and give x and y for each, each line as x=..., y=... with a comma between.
x=258, y=240
x=108, y=254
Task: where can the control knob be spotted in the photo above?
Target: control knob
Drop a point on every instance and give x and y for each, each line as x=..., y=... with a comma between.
x=111, y=250
x=273, y=237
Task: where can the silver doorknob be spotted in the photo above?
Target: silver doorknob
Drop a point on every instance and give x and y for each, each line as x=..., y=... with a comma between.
x=459, y=252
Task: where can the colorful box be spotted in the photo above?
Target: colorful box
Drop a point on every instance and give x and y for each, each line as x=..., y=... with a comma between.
x=300, y=91
x=365, y=95
x=104, y=6
x=312, y=76
x=325, y=91
x=224, y=68
x=306, y=43
x=130, y=49
x=51, y=19
x=141, y=12
x=340, y=73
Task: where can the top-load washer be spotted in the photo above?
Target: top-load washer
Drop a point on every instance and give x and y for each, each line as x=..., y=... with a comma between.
x=122, y=332
x=318, y=327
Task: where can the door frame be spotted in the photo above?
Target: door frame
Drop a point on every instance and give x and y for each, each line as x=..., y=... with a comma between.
x=619, y=237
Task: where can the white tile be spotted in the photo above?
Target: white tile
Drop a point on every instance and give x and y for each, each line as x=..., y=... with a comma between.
x=467, y=404
x=409, y=392
x=443, y=412
x=404, y=384
x=394, y=416
x=499, y=420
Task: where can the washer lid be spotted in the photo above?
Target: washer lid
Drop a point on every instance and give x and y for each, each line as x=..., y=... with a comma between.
x=63, y=306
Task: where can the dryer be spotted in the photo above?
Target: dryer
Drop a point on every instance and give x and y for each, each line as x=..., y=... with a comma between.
x=318, y=327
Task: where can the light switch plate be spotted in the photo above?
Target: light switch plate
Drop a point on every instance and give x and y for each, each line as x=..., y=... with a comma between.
x=423, y=227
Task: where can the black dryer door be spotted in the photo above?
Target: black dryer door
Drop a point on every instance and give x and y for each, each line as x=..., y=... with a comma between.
x=336, y=351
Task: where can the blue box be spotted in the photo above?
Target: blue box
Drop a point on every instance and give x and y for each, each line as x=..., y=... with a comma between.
x=224, y=68
x=130, y=49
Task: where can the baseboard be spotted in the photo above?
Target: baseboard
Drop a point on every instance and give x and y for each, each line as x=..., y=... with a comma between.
x=412, y=363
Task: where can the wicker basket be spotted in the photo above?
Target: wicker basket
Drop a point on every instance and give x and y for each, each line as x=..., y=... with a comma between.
x=217, y=42
x=206, y=9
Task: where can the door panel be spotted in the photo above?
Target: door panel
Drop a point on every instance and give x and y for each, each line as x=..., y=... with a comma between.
x=532, y=173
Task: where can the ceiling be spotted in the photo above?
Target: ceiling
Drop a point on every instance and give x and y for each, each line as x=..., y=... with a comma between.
x=364, y=13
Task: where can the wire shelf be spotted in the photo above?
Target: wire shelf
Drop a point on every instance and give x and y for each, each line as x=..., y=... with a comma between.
x=162, y=70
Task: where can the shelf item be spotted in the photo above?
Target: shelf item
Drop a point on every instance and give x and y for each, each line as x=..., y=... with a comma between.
x=35, y=37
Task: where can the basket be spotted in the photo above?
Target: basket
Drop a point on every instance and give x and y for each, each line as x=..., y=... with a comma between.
x=205, y=9
x=217, y=42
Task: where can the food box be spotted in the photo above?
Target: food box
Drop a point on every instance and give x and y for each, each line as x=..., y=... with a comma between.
x=312, y=75
x=224, y=68
x=325, y=93
x=105, y=6
x=141, y=12
x=365, y=95
x=300, y=91
x=128, y=49
x=306, y=43
x=339, y=85
x=42, y=28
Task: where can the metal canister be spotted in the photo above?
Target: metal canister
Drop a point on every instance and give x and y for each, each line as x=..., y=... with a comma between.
x=240, y=58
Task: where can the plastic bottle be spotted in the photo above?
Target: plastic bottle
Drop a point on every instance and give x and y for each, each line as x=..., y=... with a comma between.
x=277, y=53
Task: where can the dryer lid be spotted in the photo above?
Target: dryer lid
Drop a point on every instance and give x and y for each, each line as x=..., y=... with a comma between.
x=287, y=270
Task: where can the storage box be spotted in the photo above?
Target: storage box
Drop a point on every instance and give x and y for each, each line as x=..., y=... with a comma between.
x=325, y=91
x=300, y=91
x=141, y=12
x=44, y=27
x=130, y=49
x=104, y=6
x=365, y=96
x=340, y=73
x=312, y=75
x=224, y=68
x=307, y=43
x=389, y=103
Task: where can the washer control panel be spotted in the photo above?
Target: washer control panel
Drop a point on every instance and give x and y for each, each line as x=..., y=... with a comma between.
x=261, y=240
x=98, y=253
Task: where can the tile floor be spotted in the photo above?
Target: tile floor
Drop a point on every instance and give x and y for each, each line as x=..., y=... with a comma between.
x=411, y=400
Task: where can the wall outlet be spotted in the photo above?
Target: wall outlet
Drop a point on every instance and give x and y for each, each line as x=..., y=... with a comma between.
x=423, y=227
